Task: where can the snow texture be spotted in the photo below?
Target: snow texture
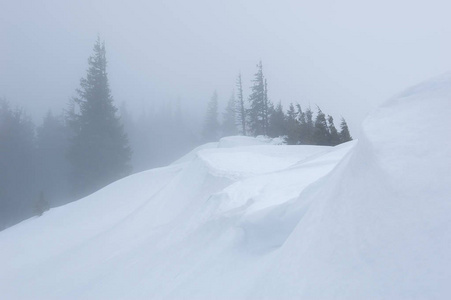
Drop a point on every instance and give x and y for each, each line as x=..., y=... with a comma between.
x=245, y=218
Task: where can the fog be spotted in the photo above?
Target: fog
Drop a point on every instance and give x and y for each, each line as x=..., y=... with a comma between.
x=345, y=57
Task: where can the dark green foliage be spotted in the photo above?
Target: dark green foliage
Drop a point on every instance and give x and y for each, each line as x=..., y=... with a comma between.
x=241, y=110
x=309, y=117
x=228, y=118
x=300, y=114
x=99, y=151
x=276, y=121
x=334, y=138
x=292, y=126
x=345, y=136
x=321, y=132
x=42, y=205
x=306, y=128
x=304, y=132
x=258, y=101
x=210, y=130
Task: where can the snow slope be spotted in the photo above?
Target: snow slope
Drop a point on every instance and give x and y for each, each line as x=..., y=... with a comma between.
x=243, y=218
x=380, y=226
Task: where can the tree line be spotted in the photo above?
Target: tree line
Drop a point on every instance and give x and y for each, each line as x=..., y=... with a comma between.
x=259, y=116
x=89, y=145
x=82, y=149
x=33, y=165
x=69, y=156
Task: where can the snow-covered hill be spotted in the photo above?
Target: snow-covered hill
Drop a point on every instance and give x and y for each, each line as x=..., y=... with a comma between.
x=243, y=218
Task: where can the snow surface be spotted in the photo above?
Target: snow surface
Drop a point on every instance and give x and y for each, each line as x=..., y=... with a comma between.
x=244, y=218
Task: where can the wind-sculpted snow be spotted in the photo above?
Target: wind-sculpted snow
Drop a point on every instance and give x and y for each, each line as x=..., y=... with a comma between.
x=379, y=226
x=245, y=218
x=243, y=162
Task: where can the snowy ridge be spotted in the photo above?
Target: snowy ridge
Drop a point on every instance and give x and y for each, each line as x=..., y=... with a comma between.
x=380, y=226
x=243, y=218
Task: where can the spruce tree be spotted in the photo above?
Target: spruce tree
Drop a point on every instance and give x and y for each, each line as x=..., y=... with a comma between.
x=276, y=121
x=210, y=130
x=345, y=136
x=306, y=128
x=229, y=118
x=321, y=132
x=292, y=126
x=99, y=151
x=241, y=110
x=257, y=111
x=334, y=138
x=266, y=105
x=302, y=125
x=300, y=114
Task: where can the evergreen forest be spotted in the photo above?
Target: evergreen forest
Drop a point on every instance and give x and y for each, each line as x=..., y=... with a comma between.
x=94, y=142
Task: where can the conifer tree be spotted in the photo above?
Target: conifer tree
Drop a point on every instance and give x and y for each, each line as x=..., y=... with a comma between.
x=266, y=105
x=258, y=104
x=292, y=126
x=306, y=128
x=334, y=138
x=229, y=119
x=276, y=121
x=241, y=110
x=345, y=136
x=321, y=132
x=300, y=114
x=302, y=125
x=99, y=151
x=210, y=130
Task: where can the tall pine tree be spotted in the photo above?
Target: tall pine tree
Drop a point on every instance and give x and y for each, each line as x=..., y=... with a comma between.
x=258, y=104
x=306, y=128
x=266, y=105
x=292, y=126
x=241, y=110
x=99, y=152
x=334, y=138
x=276, y=121
x=345, y=136
x=321, y=132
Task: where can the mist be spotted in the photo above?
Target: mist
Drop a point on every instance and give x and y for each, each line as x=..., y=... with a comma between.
x=165, y=59
x=346, y=57
x=238, y=149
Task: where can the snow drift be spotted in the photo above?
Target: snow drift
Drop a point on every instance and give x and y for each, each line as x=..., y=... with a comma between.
x=379, y=226
x=243, y=218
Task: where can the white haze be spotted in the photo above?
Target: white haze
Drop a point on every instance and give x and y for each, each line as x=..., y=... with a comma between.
x=242, y=219
x=345, y=56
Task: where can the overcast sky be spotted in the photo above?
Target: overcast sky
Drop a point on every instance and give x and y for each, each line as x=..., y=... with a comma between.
x=345, y=56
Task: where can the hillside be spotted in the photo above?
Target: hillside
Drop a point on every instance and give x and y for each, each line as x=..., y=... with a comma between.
x=243, y=218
